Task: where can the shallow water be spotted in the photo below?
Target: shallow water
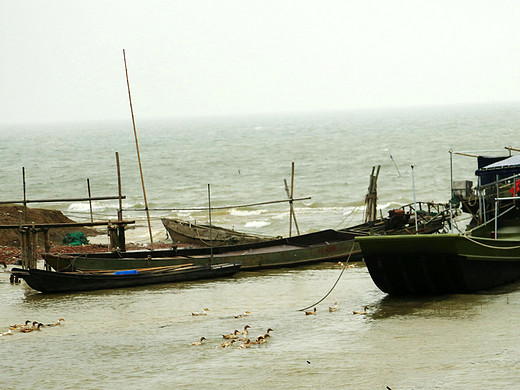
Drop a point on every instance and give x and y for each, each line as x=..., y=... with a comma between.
x=139, y=337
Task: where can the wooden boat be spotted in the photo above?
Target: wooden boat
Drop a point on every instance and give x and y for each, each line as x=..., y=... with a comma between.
x=326, y=245
x=53, y=282
x=187, y=232
x=484, y=257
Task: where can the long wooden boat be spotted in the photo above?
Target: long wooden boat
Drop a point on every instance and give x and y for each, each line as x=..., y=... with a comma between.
x=187, y=232
x=484, y=257
x=54, y=282
x=326, y=245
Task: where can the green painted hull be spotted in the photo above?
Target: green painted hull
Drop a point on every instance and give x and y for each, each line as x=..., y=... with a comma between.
x=440, y=264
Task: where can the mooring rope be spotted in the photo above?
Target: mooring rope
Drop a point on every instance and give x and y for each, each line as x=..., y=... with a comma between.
x=339, y=277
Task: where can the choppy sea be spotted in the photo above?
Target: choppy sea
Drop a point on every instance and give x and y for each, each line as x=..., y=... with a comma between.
x=139, y=337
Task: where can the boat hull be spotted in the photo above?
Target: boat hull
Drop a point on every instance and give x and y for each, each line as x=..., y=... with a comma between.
x=327, y=245
x=54, y=282
x=186, y=232
x=440, y=264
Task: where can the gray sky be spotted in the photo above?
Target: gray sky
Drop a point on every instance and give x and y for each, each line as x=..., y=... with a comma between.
x=62, y=60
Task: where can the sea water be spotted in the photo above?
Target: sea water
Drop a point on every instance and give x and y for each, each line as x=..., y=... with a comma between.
x=139, y=338
x=188, y=163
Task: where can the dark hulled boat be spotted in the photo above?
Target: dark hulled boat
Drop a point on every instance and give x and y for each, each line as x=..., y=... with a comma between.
x=54, y=282
x=484, y=257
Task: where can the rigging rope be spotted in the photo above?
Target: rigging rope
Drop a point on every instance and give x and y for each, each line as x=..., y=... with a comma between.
x=490, y=246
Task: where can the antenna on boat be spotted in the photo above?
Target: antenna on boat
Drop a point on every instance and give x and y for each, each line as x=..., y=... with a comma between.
x=138, y=154
x=414, y=200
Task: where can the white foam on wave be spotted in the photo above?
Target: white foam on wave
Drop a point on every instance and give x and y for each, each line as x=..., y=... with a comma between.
x=84, y=207
x=245, y=213
x=257, y=224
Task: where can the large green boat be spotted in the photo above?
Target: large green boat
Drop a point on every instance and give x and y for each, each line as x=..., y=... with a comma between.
x=487, y=255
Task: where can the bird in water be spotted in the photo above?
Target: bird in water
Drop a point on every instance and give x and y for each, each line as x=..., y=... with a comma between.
x=32, y=329
x=309, y=313
x=244, y=314
x=18, y=326
x=56, y=323
x=200, y=313
x=246, y=344
x=361, y=312
x=198, y=342
x=226, y=344
x=233, y=335
x=259, y=340
x=334, y=308
x=263, y=337
x=8, y=333
x=245, y=331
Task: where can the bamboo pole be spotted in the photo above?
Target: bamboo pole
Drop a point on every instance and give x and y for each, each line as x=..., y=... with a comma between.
x=90, y=200
x=60, y=200
x=224, y=207
x=292, y=215
x=24, y=196
x=138, y=154
x=210, y=225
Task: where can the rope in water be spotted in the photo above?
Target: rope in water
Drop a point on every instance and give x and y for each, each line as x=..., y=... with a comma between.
x=337, y=280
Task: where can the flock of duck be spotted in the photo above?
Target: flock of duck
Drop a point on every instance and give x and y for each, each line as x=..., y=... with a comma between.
x=243, y=335
x=335, y=308
x=239, y=336
x=30, y=327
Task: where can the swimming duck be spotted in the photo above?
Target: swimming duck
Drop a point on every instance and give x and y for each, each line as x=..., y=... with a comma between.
x=56, y=323
x=198, y=342
x=265, y=335
x=8, y=333
x=233, y=335
x=308, y=313
x=334, y=308
x=260, y=339
x=245, y=331
x=18, y=326
x=31, y=329
x=226, y=344
x=246, y=344
x=361, y=312
x=244, y=314
x=200, y=313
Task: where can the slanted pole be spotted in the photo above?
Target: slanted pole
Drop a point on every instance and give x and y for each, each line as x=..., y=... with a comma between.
x=90, y=200
x=290, y=196
x=138, y=154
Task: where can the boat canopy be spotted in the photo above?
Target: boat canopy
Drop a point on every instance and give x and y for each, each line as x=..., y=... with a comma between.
x=491, y=168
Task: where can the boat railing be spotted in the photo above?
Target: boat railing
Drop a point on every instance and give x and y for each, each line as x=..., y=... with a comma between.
x=488, y=193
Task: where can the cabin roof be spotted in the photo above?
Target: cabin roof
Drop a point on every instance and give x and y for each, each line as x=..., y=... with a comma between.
x=501, y=169
x=509, y=162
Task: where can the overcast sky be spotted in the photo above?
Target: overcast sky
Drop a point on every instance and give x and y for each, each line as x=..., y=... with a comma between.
x=62, y=60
